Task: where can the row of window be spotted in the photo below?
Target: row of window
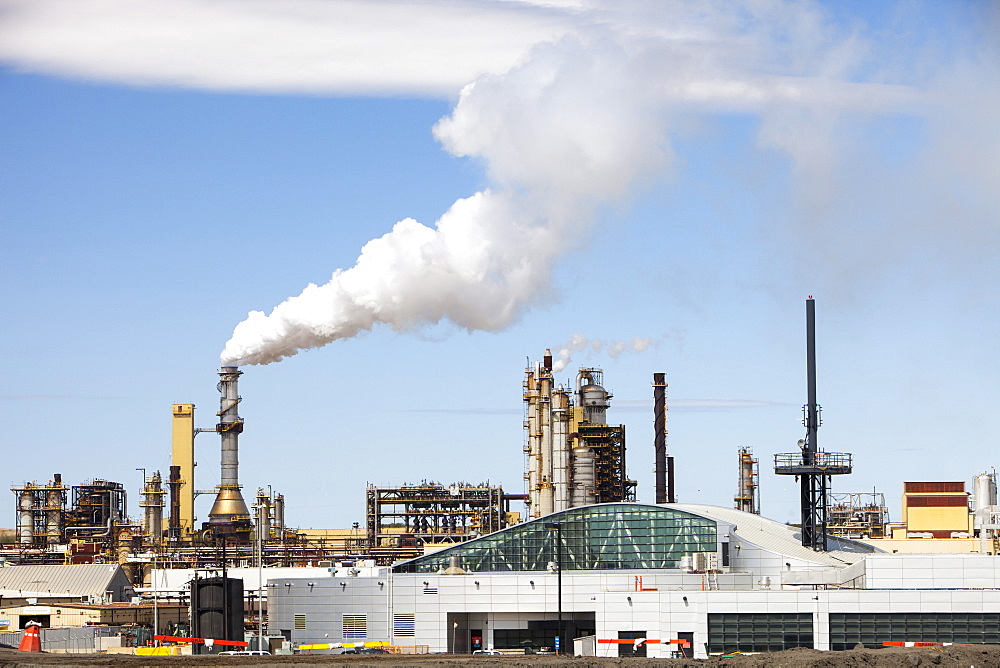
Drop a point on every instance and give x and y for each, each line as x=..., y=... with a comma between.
x=872, y=629
x=773, y=632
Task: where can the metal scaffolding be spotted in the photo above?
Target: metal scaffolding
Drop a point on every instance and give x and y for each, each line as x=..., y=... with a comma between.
x=857, y=515
x=412, y=515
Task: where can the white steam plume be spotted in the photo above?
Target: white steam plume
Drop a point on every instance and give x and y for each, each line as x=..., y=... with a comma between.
x=580, y=343
x=584, y=119
x=556, y=147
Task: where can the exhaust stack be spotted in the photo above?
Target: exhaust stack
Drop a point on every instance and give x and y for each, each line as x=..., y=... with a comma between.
x=664, y=463
x=229, y=507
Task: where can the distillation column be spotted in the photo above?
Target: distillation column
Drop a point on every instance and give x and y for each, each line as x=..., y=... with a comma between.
x=747, y=496
x=263, y=507
x=26, y=514
x=55, y=501
x=560, y=449
x=533, y=448
x=278, y=515
x=152, y=501
x=546, y=491
x=229, y=507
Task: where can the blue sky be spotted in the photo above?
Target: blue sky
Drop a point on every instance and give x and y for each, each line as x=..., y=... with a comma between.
x=682, y=173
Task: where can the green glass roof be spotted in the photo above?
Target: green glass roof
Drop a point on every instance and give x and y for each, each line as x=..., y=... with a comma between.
x=608, y=536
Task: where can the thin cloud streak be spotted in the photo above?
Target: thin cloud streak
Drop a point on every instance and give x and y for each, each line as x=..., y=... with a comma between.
x=291, y=46
x=696, y=405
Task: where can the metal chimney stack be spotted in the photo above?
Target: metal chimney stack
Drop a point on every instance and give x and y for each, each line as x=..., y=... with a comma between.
x=664, y=463
x=813, y=466
x=229, y=507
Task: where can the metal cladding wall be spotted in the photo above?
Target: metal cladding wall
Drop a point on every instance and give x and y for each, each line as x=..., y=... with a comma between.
x=217, y=609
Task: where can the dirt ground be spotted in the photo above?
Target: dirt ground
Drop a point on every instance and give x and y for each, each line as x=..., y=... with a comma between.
x=965, y=656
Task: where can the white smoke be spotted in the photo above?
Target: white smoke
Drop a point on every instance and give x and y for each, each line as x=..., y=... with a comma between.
x=579, y=343
x=555, y=145
x=588, y=117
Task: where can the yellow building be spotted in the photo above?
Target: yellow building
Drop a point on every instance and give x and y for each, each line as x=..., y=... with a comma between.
x=935, y=510
x=936, y=519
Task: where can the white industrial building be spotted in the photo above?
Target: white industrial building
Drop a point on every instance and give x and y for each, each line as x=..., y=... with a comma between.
x=720, y=579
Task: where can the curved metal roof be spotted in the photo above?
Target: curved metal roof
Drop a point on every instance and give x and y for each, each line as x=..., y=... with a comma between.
x=780, y=538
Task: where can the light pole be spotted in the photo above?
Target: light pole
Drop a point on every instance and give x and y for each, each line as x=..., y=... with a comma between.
x=559, y=624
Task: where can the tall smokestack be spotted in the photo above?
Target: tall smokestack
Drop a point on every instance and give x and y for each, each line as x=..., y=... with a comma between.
x=229, y=506
x=664, y=464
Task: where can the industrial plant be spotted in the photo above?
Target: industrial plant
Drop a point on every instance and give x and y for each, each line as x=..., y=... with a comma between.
x=569, y=563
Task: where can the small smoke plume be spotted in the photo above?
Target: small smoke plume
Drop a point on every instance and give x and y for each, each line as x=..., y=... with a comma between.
x=579, y=343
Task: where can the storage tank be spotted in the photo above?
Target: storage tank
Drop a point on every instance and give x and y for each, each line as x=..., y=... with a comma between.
x=591, y=396
x=26, y=502
x=984, y=495
x=984, y=489
x=584, y=477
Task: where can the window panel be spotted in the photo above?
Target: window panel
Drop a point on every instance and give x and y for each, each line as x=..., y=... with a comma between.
x=759, y=632
x=623, y=536
x=876, y=628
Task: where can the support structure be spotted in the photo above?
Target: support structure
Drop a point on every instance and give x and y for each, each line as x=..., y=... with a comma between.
x=857, y=515
x=182, y=457
x=414, y=515
x=812, y=466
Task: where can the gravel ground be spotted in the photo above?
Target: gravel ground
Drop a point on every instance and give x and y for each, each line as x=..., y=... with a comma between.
x=965, y=656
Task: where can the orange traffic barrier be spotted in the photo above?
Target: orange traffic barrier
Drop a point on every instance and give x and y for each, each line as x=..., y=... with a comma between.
x=210, y=641
x=31, y=641
x=890, y=643
x=646, y=641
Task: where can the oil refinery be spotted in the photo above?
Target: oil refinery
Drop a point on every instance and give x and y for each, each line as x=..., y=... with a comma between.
x=571, y=561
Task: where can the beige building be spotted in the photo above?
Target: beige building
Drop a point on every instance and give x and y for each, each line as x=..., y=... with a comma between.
x=95, y=614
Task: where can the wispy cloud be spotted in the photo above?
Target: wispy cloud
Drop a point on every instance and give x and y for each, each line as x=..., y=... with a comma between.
x=303, y=46
x=35, y=397
x=464, y=411
x=50, y=397
x=695, y=405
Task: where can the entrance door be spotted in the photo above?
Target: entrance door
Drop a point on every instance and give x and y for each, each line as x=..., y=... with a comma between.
x=686, y=652
x=631, y=649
